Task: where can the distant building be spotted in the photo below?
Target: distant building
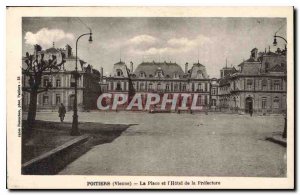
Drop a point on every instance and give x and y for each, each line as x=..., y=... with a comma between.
x=160, y=77
x=63, y=82
x=214, y=94
x=259, y=84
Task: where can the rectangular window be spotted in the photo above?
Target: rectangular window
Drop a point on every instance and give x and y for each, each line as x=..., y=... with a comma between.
x=183, y=87
x=200, y=87
x=158, y=86
x=249, y=84
x=167, y=87
x=264, y=84
x=213, y=91
x=175, y=87
x=133, y=84
x=45, y=99
x=213, y=102
x=276, y=85
x=264, y=103
x=142, y=86
x=276, y=103
x=57, y=100
x=72, y=82
x=58, y=83
x=45, y=82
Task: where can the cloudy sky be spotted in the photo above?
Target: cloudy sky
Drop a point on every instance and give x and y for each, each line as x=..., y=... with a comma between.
x=180, y=40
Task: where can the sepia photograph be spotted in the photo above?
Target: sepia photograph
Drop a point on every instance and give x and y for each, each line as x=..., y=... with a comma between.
x=172, y=98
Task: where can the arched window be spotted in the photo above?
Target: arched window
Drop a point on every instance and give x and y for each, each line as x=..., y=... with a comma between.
x=199, y=74
x=159, y=73
x=119, y=72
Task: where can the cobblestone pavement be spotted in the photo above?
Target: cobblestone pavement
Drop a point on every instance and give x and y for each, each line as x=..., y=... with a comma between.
x=183, y=144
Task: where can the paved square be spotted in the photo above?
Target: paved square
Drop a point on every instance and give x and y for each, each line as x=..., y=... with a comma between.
x=183, y=145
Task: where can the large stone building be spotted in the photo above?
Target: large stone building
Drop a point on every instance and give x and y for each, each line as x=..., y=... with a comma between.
x=62, y=90
x=259, y=84
x=160, y=77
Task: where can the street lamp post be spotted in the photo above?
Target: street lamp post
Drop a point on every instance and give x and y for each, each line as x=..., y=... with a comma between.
x=275, y=41
x=75, y=130
x=284, y=134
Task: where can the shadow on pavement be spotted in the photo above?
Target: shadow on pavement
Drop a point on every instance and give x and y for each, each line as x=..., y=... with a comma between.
x=47, y=136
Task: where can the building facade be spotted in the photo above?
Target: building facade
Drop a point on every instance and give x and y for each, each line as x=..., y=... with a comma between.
x=62, y=90
x=214, y=94
x=161, y=78
x=259, y=84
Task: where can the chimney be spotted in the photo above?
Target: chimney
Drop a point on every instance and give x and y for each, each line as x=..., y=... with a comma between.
x=101, y=73
x=186, y=68
x=131, y=66
x=68, y=51
x=254, y=55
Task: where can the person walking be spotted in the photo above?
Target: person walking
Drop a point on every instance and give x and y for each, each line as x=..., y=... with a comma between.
x=62, y=112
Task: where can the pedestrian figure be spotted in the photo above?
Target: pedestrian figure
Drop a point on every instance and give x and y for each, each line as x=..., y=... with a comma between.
x=62, y=112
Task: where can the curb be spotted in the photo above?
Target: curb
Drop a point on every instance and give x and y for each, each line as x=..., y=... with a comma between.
x=54, y=160
x=277, y=141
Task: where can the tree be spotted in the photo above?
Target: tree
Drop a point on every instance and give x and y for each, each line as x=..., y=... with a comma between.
x=36, y=67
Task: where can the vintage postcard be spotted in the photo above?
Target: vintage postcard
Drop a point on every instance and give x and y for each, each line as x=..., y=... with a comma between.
x=150, y=98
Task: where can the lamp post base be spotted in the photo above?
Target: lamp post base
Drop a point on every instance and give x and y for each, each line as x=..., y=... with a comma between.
x=75, y=130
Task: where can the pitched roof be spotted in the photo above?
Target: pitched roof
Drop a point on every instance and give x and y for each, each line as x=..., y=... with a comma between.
x=150, y=68
x=120, y=63
x=198, y=64
x=277, y=68
x=51, y=50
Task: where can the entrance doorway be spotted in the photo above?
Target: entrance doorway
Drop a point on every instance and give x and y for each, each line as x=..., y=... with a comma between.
x=249, y=104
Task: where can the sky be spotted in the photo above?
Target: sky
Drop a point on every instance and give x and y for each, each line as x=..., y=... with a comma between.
x=176, y=39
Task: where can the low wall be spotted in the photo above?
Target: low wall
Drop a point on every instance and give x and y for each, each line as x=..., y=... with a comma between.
x=52, y=162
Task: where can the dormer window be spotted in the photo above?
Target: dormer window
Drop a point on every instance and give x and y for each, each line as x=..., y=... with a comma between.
x=119, y=72
x=142, y=74
x=159, y=73
x=199, y=74
x=176, y=75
